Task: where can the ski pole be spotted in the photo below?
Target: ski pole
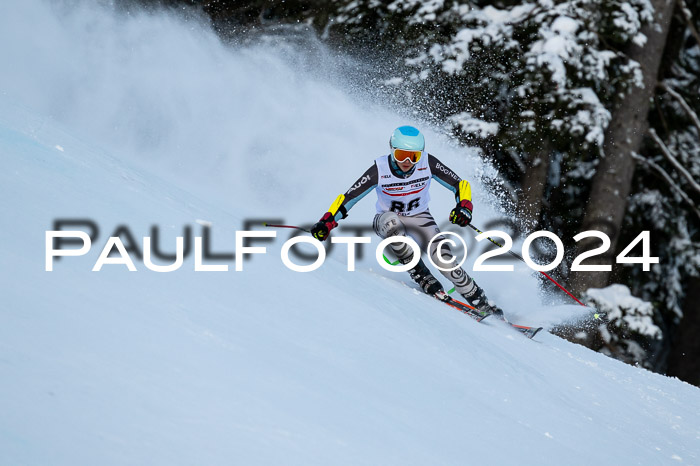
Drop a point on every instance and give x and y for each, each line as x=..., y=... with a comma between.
x=521, y=258
x=287, y=226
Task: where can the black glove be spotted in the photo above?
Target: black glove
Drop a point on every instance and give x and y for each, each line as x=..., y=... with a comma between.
x=323, y=227
x=462, y=213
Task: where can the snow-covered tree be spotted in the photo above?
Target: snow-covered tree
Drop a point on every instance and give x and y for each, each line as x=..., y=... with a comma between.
x=666, y=192
x=629, y=323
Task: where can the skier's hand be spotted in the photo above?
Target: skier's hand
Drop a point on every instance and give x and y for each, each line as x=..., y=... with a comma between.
x=323, y=227
x=462, y=213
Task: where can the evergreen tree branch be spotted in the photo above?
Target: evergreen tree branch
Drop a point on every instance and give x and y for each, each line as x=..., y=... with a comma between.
x=679, y=98
x=669, y=180
x=667, y=153
x=689, y=20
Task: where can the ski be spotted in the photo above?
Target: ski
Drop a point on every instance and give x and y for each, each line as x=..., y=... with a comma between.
x=460, y=306
x=529, y=332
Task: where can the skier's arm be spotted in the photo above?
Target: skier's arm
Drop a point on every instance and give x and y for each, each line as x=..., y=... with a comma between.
x=462, y=213
x=449, y=179
x=363, y=186
x=344, y=202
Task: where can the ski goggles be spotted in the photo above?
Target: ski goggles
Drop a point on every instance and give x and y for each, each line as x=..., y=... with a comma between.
x=401, y=155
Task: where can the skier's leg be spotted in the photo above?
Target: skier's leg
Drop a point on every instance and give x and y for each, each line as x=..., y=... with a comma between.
x=389, y=224
x=464, y=284
x=423, y=225
x=424, y=228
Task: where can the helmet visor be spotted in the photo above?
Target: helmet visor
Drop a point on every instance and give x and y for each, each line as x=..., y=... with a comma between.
x=401, y=155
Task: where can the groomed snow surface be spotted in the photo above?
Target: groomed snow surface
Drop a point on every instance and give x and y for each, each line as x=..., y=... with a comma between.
x=142, y=120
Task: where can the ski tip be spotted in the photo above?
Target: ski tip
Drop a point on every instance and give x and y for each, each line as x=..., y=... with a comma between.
x=529, y=332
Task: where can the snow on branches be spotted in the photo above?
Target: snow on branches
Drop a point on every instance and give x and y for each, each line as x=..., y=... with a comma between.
x=557, y=75
x=630, y=322
x=532, y=71
x=623, y=309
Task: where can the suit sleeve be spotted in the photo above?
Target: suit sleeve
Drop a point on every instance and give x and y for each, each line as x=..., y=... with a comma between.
x=364, y=184
x=449, y=179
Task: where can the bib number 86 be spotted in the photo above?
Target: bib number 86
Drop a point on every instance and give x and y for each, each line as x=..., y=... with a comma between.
x=402, y=208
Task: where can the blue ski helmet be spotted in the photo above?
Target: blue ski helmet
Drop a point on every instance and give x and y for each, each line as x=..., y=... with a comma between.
x=408, y=138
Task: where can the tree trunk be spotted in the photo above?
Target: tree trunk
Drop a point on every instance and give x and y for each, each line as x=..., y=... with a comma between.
x=683, y=362
x=533, y=185
x=613, y=179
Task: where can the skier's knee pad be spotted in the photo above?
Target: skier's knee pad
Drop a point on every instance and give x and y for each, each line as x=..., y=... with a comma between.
x=388, y=224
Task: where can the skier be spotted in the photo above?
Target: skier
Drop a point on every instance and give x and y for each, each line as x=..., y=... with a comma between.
x=402, y=181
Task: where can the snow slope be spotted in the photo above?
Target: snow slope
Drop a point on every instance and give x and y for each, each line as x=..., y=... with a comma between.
x=144, y=120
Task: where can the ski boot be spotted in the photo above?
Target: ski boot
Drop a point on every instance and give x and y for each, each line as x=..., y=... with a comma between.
x=477, y=298
x=422, y=276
